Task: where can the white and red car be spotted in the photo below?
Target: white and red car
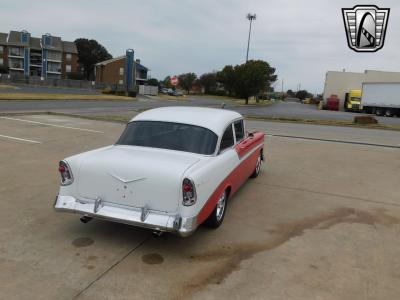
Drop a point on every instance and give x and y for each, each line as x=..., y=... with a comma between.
x=171, y=170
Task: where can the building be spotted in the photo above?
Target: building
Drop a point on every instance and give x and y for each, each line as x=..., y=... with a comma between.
x=339, y=83
x=123, y=71
x=22, y=55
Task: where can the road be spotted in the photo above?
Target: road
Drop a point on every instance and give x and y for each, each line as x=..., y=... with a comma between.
x=279, y=109
x=320, y=222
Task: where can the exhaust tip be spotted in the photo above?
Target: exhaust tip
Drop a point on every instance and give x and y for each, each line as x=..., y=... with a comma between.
x=85, y=219
x=157, y=233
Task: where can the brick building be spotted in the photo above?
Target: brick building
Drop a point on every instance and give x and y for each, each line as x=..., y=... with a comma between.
x=22, y=55
x=122, y=70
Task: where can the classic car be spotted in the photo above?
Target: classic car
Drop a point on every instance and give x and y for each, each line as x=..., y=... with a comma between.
x=172, y=169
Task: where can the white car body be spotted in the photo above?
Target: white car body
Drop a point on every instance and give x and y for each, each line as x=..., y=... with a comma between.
x=143, y=186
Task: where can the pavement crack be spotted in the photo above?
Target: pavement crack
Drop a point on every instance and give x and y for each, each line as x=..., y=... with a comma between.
x=111, y=267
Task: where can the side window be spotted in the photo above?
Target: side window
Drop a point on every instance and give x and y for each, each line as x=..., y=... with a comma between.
x=227, y=139
x=239, y=130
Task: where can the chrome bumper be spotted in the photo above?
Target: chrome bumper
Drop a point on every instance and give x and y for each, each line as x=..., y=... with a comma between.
x=127, y=215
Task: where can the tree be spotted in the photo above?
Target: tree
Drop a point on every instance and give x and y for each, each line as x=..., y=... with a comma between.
x=302, y=94
x=291, y=94
x=3, y=70
x=167, y=82
x=90, y=52
x=227, y=78
x=152, y=81
x=253, y=77
x=209, y=82
x=186, y=81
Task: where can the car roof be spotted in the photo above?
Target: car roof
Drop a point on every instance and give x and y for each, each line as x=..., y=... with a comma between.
x=214, y=119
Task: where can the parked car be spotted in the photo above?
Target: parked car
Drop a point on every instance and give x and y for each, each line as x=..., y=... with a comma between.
x=177, y=93
x=172, y=169
x=165, y=91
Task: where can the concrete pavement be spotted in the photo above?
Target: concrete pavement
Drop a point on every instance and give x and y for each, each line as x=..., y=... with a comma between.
x=320, y=222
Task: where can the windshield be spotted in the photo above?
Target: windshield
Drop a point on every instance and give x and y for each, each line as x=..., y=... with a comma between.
x=167, y=135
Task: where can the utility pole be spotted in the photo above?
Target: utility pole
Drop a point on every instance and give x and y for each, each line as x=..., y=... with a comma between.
x=250, y=17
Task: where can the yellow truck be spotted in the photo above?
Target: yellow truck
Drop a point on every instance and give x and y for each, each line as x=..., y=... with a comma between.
x=352, y=101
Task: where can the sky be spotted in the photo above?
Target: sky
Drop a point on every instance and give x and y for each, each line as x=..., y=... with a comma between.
x=302, y=39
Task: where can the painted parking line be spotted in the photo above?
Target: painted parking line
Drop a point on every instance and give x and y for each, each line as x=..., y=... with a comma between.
x=53, y=125
x=19, y=139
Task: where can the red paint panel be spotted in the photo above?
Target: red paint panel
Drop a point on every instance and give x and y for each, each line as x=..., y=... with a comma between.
x=235, y=179
x=249, y=143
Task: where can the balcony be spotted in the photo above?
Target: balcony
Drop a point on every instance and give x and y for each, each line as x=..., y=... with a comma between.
x=54, y=68
x=54, y=56
x=16, y=52
x=16, y=64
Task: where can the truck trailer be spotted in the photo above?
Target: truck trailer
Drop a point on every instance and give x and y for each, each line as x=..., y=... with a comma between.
x=382, y=99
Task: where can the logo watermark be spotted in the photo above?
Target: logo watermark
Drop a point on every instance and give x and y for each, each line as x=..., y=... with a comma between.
x=365, y=27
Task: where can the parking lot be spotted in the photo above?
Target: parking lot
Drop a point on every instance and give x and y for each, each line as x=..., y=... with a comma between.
x=321, y=221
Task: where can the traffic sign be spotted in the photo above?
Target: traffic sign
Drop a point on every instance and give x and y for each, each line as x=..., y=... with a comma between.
x=174, y=80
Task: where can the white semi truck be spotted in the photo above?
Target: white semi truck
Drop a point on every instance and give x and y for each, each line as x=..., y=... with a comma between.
x=382, y=99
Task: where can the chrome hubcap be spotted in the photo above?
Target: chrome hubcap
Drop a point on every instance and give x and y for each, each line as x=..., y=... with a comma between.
x=258, y=166
x=221, y=206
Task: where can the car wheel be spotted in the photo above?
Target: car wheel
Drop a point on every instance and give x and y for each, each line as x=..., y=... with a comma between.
x=217, y=216
x=379, y=111
x=257, y=168
x=388, y=113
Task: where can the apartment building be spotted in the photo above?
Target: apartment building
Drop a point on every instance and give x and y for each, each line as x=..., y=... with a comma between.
x=22, y=55
x=122, y=70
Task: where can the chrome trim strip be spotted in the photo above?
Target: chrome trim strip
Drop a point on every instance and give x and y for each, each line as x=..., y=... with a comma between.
x=144, y=217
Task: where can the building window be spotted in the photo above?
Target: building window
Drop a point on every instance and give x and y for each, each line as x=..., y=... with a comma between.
x=121, y=71
x=1, y=61
x=120, y=81
x=68, y=68
x=68, y=56
x=1, y=49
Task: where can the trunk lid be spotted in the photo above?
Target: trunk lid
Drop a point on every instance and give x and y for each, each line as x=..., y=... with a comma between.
x=135, y=176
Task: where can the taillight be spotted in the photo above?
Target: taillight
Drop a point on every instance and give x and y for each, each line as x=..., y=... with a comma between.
x=188, y=192
x=65, y=172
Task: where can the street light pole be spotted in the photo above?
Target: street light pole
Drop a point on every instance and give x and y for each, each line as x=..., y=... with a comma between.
x=250, y=17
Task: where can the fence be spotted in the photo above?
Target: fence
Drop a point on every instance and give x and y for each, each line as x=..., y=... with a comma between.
x=77, y=84
x=54, y=82
x=148, y=90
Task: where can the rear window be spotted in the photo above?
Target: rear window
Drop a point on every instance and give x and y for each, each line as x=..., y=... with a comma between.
x=167, y=135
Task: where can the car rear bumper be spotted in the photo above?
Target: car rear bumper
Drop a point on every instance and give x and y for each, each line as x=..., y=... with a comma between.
x=140, y=217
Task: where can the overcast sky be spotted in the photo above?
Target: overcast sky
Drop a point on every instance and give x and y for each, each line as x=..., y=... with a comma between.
x=301, y=39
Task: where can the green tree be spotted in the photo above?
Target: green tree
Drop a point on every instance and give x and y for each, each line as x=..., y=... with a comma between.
x=152, y=81
x=227, y=78
x=290, y=93
x=303, y=94
x=167, y=82
x=186, y=81
x=253, y=77
x=209, y=82
x=90, y=52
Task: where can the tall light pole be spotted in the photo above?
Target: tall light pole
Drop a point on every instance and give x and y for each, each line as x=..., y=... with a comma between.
x=250, y=17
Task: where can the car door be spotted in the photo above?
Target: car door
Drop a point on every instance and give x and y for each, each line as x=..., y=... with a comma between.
x=247, y=149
